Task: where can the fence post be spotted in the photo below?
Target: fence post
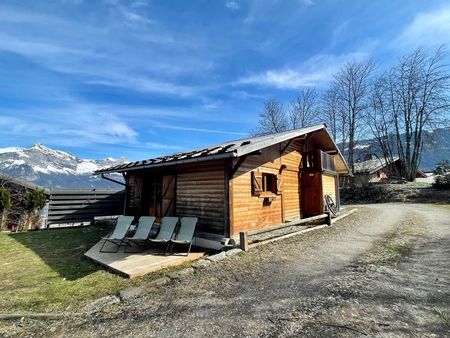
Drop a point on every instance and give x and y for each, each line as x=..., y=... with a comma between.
x=243, y=240
x=328, y=217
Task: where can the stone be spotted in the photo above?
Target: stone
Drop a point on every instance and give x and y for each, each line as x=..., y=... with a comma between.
x=160, y=281
x=201, y=263
x=130, y=293
x=217, y=257
x=100, y=303
x=180, y=273
x=233, y=252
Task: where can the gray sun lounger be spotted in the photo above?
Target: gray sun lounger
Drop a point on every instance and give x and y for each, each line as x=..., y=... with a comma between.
x=144, y=227
x=166, y=230
x=119, y=233
x=185, y=234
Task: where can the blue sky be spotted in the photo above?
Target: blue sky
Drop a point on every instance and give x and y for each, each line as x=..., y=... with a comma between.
x=143, y=78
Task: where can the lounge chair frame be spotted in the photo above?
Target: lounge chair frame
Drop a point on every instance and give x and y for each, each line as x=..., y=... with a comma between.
x=116, y=241
x=174, y=242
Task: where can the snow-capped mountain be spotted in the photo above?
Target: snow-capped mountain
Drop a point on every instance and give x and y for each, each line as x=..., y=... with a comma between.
x=55, y=169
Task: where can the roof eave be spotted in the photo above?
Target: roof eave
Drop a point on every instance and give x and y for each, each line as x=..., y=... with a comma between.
x=166, y=164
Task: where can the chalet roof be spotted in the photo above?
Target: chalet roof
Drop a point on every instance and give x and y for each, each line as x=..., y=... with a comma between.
x=371, y=166
x=236, y=148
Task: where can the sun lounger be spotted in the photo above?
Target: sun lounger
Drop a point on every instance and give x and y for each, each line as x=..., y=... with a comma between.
x=185, y=234
x=142, y=232
x=166, y=230
x=119, y=233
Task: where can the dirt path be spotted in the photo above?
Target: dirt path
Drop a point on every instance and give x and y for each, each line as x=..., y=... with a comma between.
x=331, y=282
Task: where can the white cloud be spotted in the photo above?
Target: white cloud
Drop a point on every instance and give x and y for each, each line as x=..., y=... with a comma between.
x=62, y=45
x=427, y=28
x=233, y=5
x=316, y=71
x=200, y=130
x=134, y=17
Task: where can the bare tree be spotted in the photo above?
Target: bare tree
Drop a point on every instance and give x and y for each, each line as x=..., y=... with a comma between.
x=418, y=98
x=351, y=86
x=331, y=112
x=379, y=119
x=272, y=119
x=303, y=109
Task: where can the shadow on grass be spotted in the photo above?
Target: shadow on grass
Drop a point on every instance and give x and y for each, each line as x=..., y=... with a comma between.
x=62, y=249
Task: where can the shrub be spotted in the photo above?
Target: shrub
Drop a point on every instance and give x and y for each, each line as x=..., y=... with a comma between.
x=5, y=199
x=442, y=181
x=34, y=199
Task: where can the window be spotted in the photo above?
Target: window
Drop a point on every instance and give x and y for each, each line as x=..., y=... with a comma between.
x=265, y=183
x=269, y=183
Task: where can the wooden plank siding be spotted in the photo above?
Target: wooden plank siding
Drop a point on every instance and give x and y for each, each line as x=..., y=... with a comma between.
x=201, y=192
x=251, y=212
x=329, y=185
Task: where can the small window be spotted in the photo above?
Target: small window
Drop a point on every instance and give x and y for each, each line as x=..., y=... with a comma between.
x=269, y=182
x=265, y=183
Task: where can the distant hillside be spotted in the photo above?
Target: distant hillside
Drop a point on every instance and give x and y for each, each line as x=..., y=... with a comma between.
x=436, y=148
x=55, y=169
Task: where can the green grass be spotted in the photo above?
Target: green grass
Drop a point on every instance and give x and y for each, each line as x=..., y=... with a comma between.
x=45, y=271
x=418, y=185
x=442, y=315
x=397, y=244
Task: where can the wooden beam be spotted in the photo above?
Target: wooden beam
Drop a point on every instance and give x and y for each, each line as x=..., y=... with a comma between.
x=285, y=225
x=236, y=166
x=240, y=161
x=286, y=146
x=243, y=239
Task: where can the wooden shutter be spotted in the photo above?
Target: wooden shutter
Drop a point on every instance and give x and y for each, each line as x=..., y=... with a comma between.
x=279, y=184
x=257, y=183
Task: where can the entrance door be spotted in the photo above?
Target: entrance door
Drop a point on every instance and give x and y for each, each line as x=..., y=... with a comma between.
x=151, y=195
x=168, y=195
x=312, y=194
x=158, y=195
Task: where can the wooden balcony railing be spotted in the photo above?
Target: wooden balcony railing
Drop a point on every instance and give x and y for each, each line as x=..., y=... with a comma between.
x=327, y=161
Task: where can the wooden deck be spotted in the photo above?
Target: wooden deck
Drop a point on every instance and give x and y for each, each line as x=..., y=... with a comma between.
x=134, y=264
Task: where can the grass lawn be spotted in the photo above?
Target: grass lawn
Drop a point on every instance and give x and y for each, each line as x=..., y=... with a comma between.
x=45, y=271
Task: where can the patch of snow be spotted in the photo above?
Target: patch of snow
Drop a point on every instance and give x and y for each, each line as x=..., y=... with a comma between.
x=51, y=169
x=362, y=146
x=86, y=167
x=10, y=150
x=49, y=151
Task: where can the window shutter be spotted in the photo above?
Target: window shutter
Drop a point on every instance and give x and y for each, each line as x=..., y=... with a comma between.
x=279, y=184
x=257, y=183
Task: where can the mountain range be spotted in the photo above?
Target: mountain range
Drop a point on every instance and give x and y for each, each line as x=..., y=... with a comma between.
x=51, y=168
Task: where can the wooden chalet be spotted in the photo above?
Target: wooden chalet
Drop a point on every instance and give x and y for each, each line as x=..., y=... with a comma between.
x=240, y=185
x=375, y=169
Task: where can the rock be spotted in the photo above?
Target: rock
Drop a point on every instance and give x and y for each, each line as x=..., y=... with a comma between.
x=218, y=257
x=201, y=263
x=130, y=293
x=160, y=281
x=180, y=273
x=100, y=303
x=233, y=252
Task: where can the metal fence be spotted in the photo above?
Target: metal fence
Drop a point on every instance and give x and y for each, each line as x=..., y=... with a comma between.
x=79, y=207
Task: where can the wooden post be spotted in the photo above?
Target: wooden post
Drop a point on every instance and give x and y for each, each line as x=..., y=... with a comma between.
x=243, y=240
x=328, y=220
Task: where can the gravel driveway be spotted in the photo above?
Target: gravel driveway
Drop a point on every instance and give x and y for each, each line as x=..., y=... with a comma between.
x=383, y=271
